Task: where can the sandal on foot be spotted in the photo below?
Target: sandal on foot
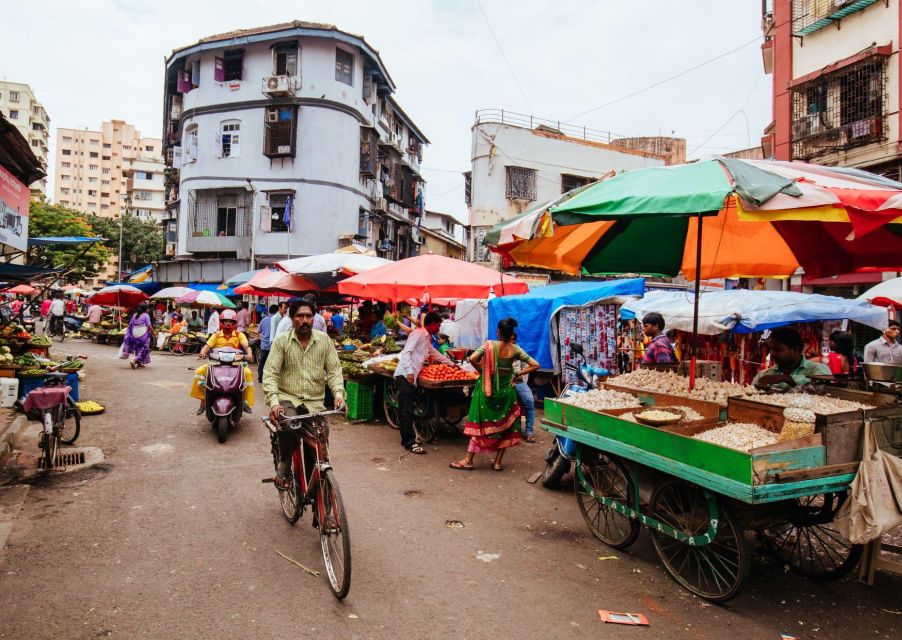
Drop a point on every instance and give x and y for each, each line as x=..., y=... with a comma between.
x=497, y=467
x=530, y=438
x=461, y=466
x=416, y=449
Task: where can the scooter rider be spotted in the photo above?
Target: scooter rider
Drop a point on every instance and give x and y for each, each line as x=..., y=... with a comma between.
x=227, y=336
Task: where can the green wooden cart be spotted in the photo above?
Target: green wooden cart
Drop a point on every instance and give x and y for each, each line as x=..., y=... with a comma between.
x=700, y=500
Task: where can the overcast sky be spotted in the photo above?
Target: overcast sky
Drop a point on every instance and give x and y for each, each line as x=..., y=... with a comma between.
x=94, y=60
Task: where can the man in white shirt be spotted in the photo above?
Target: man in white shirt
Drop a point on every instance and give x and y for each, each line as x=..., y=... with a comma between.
x=56, y=314
x=885, y=349
x=213, y=323
x=418, y=351
x=276, y=319
x=243, y=317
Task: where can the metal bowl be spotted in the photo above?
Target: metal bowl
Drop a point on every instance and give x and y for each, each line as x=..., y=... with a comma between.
x=879, y=372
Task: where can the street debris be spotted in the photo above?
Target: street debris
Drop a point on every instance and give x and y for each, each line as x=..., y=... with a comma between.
x=608, y=558
x=614, y=617
x=454, y=524
x=487, y=557
x=295, y=562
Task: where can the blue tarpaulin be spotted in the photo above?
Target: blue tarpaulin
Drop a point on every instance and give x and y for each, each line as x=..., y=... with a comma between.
x=744, y=311
x=534, y=311
x=149, y=288
x=37, y=242
x=212, y=286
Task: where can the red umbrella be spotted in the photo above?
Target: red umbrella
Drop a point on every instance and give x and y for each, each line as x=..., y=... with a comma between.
x=118, y=295
x=433, y=276
x=246, y=290
x=276, y=282
x=21, y=289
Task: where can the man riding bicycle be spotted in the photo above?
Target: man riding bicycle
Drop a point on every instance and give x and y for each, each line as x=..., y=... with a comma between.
x=57, y=314
x=300, y=364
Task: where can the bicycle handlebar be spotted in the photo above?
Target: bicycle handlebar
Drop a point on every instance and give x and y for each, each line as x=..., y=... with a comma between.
x=288, y=420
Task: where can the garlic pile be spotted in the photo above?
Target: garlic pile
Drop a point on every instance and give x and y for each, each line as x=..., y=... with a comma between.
x=797, y=423
x=677, y=385
x=823, y=405
x=691, y=414
x=741, y=436
x=601, y=399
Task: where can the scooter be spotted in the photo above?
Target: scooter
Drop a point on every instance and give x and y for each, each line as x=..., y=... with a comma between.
x=224, y=390
x=559, y=457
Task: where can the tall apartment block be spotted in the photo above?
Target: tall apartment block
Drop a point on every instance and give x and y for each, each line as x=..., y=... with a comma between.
x=20, y=106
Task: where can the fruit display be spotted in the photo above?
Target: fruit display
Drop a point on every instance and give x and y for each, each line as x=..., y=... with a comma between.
x=674, y=384
x=824, y=405
x=31, y=373
x=445, y=373
x=89, y=407
x=353, y=369
x=39, y=341
x=741, y=436
x=14, y=332
x=602, y=399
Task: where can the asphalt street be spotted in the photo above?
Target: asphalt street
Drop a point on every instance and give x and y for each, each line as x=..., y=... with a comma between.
x=175, y=536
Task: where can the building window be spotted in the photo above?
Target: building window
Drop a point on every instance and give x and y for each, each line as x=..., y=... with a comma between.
x=230, y=139
x=143, y=195
x=92, y=192
x=226, y=215
x=92, y=167
x=13, y=96
x=280, y=131
x=103, y=194
x=570, y=182
x=94, y=143
x=107, y=145
x=65, y=176
x=344, y=66
x=190, y=145
x=144, y=175
x=66, y=152
x=93, y=154
x=285, y=60
x=148, y=147
x=67, y=138
x=363, y=224
x=369, y=156
x=233, y=65
x=106, y=171
x=277, y=204
x=92, y=179
x=520, y=183
x=840, y=110
x=126, y=147
x=66, y=165
x=13, y=114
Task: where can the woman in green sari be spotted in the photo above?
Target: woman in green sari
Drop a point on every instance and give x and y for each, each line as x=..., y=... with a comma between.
x=493, y=422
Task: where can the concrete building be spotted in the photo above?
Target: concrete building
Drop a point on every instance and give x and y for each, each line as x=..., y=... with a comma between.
x=297, y=116
x=110, y=172
x=21, y=108
x=441, y=234
x=520, y=161
x=836, y=91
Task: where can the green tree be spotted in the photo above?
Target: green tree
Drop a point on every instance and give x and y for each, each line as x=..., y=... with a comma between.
x=142, y=240
x=47, y=219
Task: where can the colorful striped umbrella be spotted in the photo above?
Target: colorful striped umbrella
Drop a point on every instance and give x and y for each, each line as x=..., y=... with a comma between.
x=205, y=299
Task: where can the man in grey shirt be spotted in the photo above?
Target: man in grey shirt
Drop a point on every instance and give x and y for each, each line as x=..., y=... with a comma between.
x=885, y=349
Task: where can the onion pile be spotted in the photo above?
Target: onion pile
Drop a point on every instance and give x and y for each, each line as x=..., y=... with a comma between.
x=677, y=385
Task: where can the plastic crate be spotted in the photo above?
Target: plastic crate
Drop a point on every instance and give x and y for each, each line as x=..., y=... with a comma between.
x=30, y=383
x=360, y=400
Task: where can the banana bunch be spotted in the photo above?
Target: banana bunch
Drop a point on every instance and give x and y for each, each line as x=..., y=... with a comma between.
x=89, y=406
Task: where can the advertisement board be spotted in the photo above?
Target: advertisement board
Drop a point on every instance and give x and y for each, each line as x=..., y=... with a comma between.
x=14, y=202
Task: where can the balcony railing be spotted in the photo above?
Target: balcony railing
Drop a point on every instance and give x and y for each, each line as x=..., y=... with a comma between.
x=500, y=116
x=809, y=16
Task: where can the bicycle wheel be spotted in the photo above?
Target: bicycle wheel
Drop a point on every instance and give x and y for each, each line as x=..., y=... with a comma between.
x=334, y=538
x=290, y=500
x=178, y=344
x=424, y=422
x=809, y=543
x=715, y=571
x=391, y=404
x=607, y=477
x=69, y=430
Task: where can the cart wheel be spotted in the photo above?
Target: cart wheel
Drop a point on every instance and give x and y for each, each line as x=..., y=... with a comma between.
x=809, y=544
x=607, y=477
x=178, y=344
x=391, y=404
x=424, y=422
x=715, y=571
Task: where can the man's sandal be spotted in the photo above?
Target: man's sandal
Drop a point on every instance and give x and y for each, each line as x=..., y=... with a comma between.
x=415, y=448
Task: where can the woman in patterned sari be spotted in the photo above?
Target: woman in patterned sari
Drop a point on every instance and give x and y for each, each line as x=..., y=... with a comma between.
x=493, y=422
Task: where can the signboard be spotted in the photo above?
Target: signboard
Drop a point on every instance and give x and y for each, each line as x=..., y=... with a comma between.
x=14, y=202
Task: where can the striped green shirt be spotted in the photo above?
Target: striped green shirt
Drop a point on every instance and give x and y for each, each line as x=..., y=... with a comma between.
x=300, y=375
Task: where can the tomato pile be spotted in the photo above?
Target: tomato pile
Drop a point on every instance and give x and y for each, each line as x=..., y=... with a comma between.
x=444, y=372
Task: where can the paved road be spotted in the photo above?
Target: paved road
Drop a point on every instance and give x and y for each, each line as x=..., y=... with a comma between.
x=175, y=537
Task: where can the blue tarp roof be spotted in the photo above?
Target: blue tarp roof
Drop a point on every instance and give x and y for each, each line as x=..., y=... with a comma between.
x=535, y=310
x=212, y=286
x=21, y=273
x=37, y=242
x=149, y=288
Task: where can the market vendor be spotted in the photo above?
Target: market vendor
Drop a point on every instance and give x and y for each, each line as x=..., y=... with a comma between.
x=885, y=349
x=195, y=322
x=95, y=314
x=659, y=349
x=790, y=366
x=227, y=336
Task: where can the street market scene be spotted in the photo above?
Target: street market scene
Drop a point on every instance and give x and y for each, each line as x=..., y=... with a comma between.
x=521, y=378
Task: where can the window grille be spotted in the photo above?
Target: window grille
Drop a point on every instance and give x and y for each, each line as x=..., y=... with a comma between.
x=468, y=188
x=840, y=110
x=521, y=183
x=280, y=131
x=809, y=16
x=369, y=156
x=570, y=182
x=233, y=65
x=219, y=212
x=277, y=202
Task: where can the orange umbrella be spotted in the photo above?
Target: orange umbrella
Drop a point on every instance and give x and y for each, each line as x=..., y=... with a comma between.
x=275, y=281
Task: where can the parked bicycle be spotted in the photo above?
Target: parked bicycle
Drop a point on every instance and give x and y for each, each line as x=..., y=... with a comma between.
x=53, y=404
x=318, y=488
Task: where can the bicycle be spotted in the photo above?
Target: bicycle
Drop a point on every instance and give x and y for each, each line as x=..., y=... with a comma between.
x=54, y=403
x=57, y=328
x=319, y=488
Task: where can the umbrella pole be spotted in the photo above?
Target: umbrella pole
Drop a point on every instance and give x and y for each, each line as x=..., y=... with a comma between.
x=698, y=283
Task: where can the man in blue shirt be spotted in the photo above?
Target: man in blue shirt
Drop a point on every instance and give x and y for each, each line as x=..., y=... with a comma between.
x=338, y=321
x=265, y=339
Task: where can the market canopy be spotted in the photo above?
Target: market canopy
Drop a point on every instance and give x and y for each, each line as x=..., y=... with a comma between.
x=745, y=311
x=119, y=295
x=21, y=289
x=536, y=310
x=327, y=269
x=212, y=286
x=887, y=294
x=430, y=276
x=23, y=273
x=240, y=278
x=205, y=299
x=171, y=293
x=275, y=282
x=47, y=240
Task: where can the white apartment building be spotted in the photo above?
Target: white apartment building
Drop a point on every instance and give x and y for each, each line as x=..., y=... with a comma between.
x=296, y=115
x=110, y=172
x=520, y=161
x=19, y=105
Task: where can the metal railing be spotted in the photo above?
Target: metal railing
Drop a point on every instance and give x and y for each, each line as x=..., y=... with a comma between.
x=511, y=118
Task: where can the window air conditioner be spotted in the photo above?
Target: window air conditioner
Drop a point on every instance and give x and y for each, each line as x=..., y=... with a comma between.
x=278, y=85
